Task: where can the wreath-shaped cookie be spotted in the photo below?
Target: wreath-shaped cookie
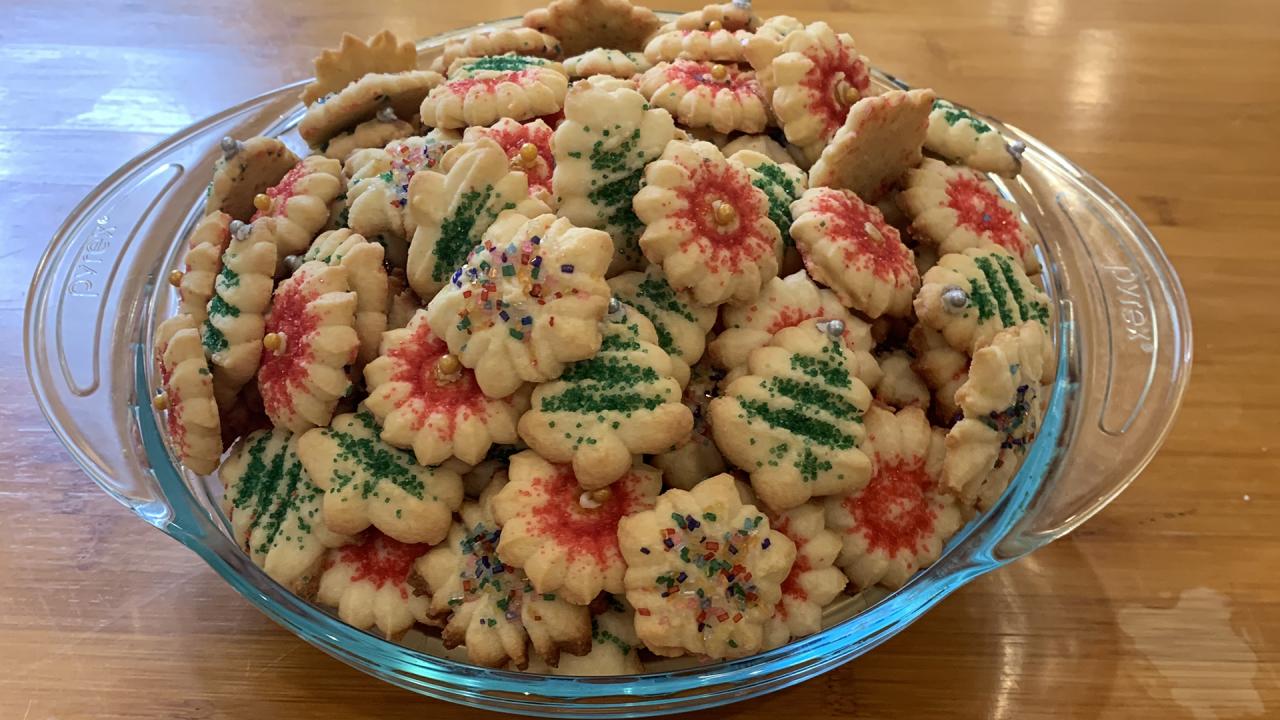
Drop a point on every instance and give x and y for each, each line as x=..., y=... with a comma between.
x=880, y=140
x=186, y=393
x=245, y=170
x=603, y=61
x=300, y=203
x=232, y=332
x=700, y=94
x=368, y=582
x=202, y=264
x=366, y=277
x=400, y=92
x=680, y=323
x=480, y=91
x=695, y=457
x=955, y=134
x=355, y=58
x=814, y=581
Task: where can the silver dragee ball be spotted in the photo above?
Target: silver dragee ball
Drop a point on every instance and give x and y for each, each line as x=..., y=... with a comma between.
x=239, y=229
x=230, y=147
x=386, y=115
x=834, y=328
x=615, y=308
x=955, y=299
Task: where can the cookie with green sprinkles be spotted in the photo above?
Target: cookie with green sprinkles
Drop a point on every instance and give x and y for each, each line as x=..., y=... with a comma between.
x=481, y=90
x=245, y=170
x=201, y=265
x=704, y=571
x=233, y=329
x=608, y=135
x=275, y=509
x=624, y=401
x=368, y=582
x=451, y=212
x=525, y=41
x=367, y=278
x=368, y=482
x=972, y=295
x=491, y=607
x=186, y=395
x=959, y=136
x=680, y=323
x=782, y=182
x=794, y=421
x=814, y=581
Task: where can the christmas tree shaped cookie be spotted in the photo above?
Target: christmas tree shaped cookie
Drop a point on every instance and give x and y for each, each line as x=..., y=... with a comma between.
x=203, y=262
x=232, y=332
x=680, y=323
x=955, y=134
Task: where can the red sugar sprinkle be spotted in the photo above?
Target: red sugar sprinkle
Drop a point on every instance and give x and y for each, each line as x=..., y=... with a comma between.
x=581, y=530
x=282, y=374
x=730, y=246
x=893, y=511
x=829, y=68
x=380, y=560
x=512, y=136
x=282, y=191
x=847, y=218
x=693, y=75
x=415, y=363
x=978, y=209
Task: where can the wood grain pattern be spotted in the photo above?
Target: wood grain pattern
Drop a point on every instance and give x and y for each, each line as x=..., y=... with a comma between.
x=1165, y=605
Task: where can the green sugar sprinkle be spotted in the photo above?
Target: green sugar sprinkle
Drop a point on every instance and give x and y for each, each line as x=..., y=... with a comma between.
x=799, y=423
x=998, y=290
x=213, y=339
x=221, y=308
x=458, y=232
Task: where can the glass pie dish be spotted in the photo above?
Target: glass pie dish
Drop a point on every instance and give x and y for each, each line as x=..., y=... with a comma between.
x=1120, y=325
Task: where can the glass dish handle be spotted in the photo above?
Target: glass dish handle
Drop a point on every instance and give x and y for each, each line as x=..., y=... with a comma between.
x=1123, y=301
x=88, y=304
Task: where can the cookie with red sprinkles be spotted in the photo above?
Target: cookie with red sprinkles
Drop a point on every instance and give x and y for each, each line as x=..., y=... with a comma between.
x=233, y=329
x=203, y=262
x=366, y=277
x=882, y=137
x=186, y=395
x=899, y=522
x=702, y=94
x=814, y=581
x=704, y=571
x=300, y=203
x=715, y=45
x=480, y=91
x=565, y=538
x=368, y=582
x=528, y=148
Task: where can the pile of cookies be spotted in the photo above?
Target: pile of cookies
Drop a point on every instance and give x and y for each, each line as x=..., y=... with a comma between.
x=603, y=339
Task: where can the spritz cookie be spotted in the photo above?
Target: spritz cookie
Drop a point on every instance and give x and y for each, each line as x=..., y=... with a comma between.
x=275, y=509
x=404, y=301
x=794, y=422
x=704, y=571
x=393, y=93
x=762, y=144
x=615, y=647
x=451, y=212
x=584, y=24
x=368, y=482
x=707, y=225
x=695, y=457
x=718, y=45
x=528, y=300
x=427, y=401
x=699, y=94
x=366, y=277
x=767, y=41
x=956, y=208
x=300, y=203
x=245, y=169
x=899, y=522
x=608, y=135
x=186, y=395
x=899, y=385
x=528, y=148
x=203, y=262
x=814, y=581
x=603, y=61
x=680, y=323
x=782, y=182
x=309, y=340
x=484, y=43
x=565, y=538
x=232, y=332
x=881, y=139
x=368, y=135
x=601, y=411
x=847, y=246
x=368, y=582
x=943, y=368
x=729, y=16
x=956, y=134
x=480, y=91
x=355, y=58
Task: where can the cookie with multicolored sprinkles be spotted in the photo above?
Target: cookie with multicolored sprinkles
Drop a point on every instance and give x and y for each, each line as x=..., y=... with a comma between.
x=528, y=147
x=956, y=208
x=847, y=246
x=366, y=277
x=814, y=581
x=880, y=140
x=958, y=135
x=704, y=571
x=354, y=58
x=427, y=401
x=565, y=538
x=491, y=607
x=899, y=522
x=232, y=332
x=203, y=262
x=300, y=203
x=528, y=300
x=399, y=93
x=702, y=94
x=246, y=169
x=482, y=90
x=601, y=411
x=451, y=212
x=368, y=135
x=680, y=323
x=186, y=394
x=485, y=43
x=368, y=582
x=695, y=457
x=603, y=61
x=275, y=509
x=707, y=224
x=309, y=340
x=794, y=421
x=368, y=482
x=972, y=295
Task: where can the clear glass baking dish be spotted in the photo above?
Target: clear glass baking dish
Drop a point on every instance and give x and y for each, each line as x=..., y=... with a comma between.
x=1121, y=328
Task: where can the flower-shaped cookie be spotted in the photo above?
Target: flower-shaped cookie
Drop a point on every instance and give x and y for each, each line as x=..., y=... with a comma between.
x=484, y=43
x=603, y=61
x=608, y=135
x=451, y=212
x=528, y=300
x=621, y=402
x=615, y=647
x=814, y=581
x=680, y=323
x=956, y=208
x=528, y=148
x=943, y=368
x=482, y=90
x=794, y=422
x=368, y=482
x=584, y=24
x=881, y=139
x=817, y=77
x=400, y=93
x=203, y=262
x=274, y=509
x=725, y=98
x=782, y=182
x=309, y=340
x=368, y=135
x=704, y=571
x=366, y=277
x=426, y=400
x=899, y=522
x=707, y=225
x=232, y=332
x=368, y=582
x=491, y=606
x=762, y=144
x=246, y=169
x=955, y=134
x=718, y=45
x=355, y=58
x=766, y=43
x=847, y=246
x=300, y=203
x=563, y=537
x=900, y=386
x=695, y=457
x=186, y=392
x=971, y=296
x=1002, y=403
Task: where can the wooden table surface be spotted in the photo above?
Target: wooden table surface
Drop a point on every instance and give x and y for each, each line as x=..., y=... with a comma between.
x=1165, y=605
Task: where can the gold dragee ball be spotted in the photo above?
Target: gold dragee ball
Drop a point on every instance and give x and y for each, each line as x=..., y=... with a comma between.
x=724, y=212
x=528, y=153
x=175, y=278
x=714, y=26
x=275, y=342
x=262, y=201
x=719, y=72
x=160, y=401
x=448, y=365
